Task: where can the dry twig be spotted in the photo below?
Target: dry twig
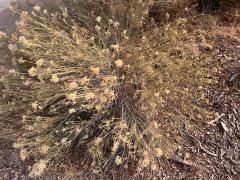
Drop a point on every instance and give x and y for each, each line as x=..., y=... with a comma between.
x=186, y=162
x=215, y=120
x=194, y=139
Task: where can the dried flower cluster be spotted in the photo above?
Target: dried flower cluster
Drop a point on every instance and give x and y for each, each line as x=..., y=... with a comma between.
x=97, y=87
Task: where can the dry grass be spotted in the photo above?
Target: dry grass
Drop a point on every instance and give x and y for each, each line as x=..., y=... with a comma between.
x=86, y=80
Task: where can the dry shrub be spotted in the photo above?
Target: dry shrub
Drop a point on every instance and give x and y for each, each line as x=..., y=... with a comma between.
x=92, y=85
x=169, y=8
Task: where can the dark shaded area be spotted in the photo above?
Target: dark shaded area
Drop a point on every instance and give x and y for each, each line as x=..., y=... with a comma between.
x=209, y=5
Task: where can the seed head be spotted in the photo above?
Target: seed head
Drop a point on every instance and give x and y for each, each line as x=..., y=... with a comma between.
x=119, y=63
x=118, y=160
x=37, y=8
x=72, y=96
x=38, y=168
x=95, y=70
x=72, y=110
x=98, y=19
x=90, y=96
x=32, y=71
x=116, y=24
x=40, y=62
x=55, y=78
x=73, y=85
x=2, y=34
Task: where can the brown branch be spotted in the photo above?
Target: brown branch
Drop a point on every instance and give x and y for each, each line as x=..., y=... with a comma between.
x=199, y=143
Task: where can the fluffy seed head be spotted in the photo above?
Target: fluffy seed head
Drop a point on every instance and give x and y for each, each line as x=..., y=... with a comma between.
x=98, y=19
x=119, y=63
x=55, y=78
x=32, y=71
x=37, y=8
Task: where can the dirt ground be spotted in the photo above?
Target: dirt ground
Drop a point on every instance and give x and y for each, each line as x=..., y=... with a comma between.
x=211, y=152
